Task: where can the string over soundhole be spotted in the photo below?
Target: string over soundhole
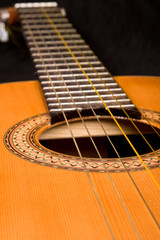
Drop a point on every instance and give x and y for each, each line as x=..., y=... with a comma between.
x=106, y=136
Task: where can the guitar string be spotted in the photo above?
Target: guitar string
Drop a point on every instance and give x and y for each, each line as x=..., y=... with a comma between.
x=126, y=170
x=72, y=54
x=91, y=139
x=144, y=117
x=74, y=140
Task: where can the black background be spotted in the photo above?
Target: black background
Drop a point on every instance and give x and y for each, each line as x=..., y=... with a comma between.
x=125, y=35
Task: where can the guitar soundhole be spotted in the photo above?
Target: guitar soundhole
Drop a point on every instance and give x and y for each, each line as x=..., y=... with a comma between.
x=22, y=140
x=104, y=147
x=96, y=145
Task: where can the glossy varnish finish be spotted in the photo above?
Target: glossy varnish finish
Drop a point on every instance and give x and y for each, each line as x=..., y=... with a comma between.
x=39, y=202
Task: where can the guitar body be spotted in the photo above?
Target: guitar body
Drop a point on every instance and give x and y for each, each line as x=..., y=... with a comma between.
x=40, y=202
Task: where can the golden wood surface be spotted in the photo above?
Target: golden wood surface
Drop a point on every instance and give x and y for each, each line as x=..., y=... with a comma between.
x=39, y=202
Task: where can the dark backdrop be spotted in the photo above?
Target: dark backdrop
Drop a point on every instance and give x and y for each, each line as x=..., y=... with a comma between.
x=125, y=34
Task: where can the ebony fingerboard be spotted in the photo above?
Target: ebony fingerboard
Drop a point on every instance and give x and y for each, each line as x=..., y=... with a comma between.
x=67, y=68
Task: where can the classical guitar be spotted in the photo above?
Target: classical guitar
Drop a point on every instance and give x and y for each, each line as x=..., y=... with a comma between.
x=79, y=148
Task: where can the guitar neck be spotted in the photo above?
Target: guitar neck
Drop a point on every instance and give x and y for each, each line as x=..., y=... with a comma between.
x=71, y=76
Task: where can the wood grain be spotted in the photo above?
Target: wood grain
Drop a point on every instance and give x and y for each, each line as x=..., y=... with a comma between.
x=39, y=202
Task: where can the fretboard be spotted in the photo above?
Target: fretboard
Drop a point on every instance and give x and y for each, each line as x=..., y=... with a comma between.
x=71, y=76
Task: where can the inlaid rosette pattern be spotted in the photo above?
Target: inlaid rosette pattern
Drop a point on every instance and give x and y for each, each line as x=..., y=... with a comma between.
x=21, y=140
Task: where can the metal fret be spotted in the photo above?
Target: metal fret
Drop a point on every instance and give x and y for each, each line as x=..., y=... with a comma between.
x=119, y=95
x=68, y=70
x=58, y=42
x=56, y=19
x=55, y=37
x=36, y=10
x=66, y=53
x=80, y=108
x=55, y=48
x=52, y=31
x=77, y=80
x=82, y=86
x=74, y=64
x=80, y=59
x=85, y=102
x=47, y=26
x=75, y=75
x=23, y=6
x=64, y=109
x=85, y=91
x=38, y=16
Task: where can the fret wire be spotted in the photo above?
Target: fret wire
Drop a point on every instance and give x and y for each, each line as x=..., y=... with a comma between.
x=76, y=36
x=74, y=69
x=63, y=64
x=82, y=86
x=67, y=58
x=76, y=75
x=79, y=97
x=64, y=53
x=83, y=162
x=71, y=85
x=73, y=31
x=141, y=196
x=54, y=48
x=90, y=91
x=77, y=80
x=40, y=16
x=42, y=27
x=130, y=143
x=79, y=103
x=58, y=42
x=109, y=80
